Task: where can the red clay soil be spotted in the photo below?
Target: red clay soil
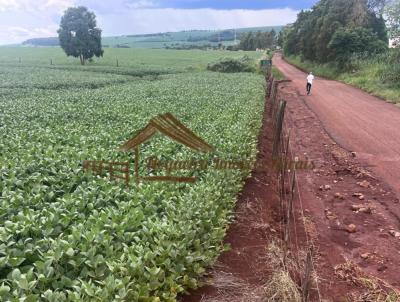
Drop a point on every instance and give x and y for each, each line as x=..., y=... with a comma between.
x=341, y=191
x=337, y=114
x=344, y=189
x=356, y=120
x=240, y=273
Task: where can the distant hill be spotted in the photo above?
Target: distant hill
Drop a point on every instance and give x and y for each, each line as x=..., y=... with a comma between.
x=42, y=42
x=167, y=39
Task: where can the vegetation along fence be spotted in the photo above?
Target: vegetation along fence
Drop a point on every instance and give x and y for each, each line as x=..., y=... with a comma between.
x=289, y=194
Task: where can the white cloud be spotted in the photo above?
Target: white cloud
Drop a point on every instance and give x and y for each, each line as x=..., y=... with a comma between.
x=24, y=19
x=58, y=5
x=16, y=31
x=35, y=5
x=136, y=4
x=17, y=34
x=169, y=19
x=8, y=5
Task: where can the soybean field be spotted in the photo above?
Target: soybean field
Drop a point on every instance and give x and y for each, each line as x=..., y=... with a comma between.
x=68, y=235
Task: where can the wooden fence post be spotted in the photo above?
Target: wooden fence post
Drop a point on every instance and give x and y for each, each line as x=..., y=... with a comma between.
x=275, y=101
x=273, y=98
x=278, y=129
x=272, y=87
x=306, y=284
x=268, y=87
x=286, y=154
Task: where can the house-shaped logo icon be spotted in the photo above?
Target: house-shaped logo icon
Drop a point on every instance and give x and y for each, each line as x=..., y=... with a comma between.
x=171, y=127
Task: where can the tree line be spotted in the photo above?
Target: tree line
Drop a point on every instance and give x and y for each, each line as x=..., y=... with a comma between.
x=225, y=35
x=337, y=30
x=258, y=40
x=333, y=30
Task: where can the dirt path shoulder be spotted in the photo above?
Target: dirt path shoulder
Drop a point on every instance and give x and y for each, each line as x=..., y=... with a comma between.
x=346, y=204
x=355, y=120
x=342, y=206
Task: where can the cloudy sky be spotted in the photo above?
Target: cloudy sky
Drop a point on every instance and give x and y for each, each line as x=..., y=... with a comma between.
x=24, y=19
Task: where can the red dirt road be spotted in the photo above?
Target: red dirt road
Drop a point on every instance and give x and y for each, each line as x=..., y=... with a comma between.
x=355, y=120
x=339, y=192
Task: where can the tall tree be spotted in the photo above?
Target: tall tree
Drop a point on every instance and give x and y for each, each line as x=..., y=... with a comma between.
x=377, y=5
x=78, y=34
x=258, y=40
x=346, y=42
x=311, y=34
x=392, y=12
x=261, y=40
x=280, y=39
x=271, y=39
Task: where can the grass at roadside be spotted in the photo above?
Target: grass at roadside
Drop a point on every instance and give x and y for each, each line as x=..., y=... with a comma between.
x=278, y=75
x=323, y=70
x=368, y=80
x=367, y=76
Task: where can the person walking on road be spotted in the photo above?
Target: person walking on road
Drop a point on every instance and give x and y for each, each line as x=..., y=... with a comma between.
x=310, y=79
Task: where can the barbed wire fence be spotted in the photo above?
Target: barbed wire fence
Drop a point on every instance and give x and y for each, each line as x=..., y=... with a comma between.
x=290, y=199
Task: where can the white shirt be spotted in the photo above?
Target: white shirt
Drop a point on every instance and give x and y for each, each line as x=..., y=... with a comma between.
x=310, y=78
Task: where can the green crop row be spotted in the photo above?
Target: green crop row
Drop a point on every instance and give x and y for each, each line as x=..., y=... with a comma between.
x=66, y=235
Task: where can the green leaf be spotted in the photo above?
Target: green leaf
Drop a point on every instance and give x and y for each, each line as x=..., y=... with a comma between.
x=70, y=252
x=16, y=274
x=4, y=289
x=23, y=283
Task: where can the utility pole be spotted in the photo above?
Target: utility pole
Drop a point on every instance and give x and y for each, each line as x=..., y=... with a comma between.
x=235, y=36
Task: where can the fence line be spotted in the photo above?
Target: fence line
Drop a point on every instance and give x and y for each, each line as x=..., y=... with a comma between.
x=288, y=185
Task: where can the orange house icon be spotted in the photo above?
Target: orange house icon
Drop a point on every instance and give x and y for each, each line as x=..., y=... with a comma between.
x=171, y=127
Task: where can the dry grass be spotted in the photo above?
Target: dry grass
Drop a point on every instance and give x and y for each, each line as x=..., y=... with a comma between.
x=251, y=295
x=279, y=284
x=310, y=229
x=252, y=218
x=232, y=289
x=281, y=288
x=228, y=283
x=372, y=289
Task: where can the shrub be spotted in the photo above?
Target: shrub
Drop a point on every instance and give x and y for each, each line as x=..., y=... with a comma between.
x=390, y=73
x=229, y=65
x=346, y=43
